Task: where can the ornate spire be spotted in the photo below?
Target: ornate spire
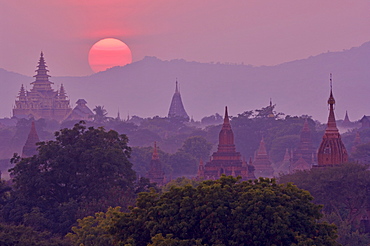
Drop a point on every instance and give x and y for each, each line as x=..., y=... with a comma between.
x=177, y=88
x=41, y=71
x=226, y=117
x=118, y=115
x=346, y=118
x=62, y=93
x=42, y=78
x=331, y=125
x=30, y=147
x=331, y=150
x=346, y=122
x=22, y=94
x=226, y=136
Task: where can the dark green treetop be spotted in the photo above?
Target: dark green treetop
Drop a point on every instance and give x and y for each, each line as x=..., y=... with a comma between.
x=82, y=171
x=225, y=212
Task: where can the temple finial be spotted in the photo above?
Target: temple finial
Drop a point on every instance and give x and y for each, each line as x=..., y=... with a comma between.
x=118, y=115
x=226, y=119
x=270, y=102
x=177, y=86
x=331, y=100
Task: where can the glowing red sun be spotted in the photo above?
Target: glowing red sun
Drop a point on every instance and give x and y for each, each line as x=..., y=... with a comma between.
x=107, y=53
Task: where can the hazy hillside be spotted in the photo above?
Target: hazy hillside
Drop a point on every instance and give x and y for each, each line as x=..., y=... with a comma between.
x=145, y=87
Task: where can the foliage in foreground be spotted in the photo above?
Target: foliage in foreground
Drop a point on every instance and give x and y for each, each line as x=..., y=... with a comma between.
x=225, y=212
x=93, y=230
x=11, y=235
x=81, y=172
x=344, y=192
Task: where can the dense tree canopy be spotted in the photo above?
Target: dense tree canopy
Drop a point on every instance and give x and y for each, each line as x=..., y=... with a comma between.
x=225, y=212
x=11, y=235
x=81, y=172
x=345, y=193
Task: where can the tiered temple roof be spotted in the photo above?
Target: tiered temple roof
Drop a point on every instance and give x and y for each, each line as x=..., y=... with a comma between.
x=42, y=101
x=81, y=111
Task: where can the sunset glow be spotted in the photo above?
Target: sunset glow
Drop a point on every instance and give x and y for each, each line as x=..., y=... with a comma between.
x=108, y=53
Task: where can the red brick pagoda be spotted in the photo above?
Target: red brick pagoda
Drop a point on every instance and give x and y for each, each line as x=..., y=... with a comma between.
x=262, y=162
x=331, y=151
x=30, y=148
x=226, y=160
x=303, y=157
x=156, y=174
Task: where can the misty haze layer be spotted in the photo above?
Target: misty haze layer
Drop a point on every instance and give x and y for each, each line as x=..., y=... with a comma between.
x=145, y=88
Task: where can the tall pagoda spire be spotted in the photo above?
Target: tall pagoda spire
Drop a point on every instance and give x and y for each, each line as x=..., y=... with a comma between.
x=22, y=94
x=42, y=78
x=62, y=93
x=331, y=150
x=30, y=147
x=226, y=136
x=346, y=122
x=177, y=87
x=177, y=109
x=332, y=125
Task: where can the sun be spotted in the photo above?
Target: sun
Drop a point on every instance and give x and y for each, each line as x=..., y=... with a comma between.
x=107, y=53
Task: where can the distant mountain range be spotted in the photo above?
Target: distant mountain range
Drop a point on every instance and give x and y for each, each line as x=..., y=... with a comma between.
x=145, y=88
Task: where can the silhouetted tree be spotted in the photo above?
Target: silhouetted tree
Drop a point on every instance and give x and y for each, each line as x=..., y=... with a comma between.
x=100, y=115
x=81, y=171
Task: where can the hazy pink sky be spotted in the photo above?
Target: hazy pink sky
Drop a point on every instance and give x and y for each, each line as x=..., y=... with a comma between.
x=256, y=32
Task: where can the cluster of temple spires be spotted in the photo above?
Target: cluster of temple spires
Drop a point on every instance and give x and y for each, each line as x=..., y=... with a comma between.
x=226, y=160
x=43, y=102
